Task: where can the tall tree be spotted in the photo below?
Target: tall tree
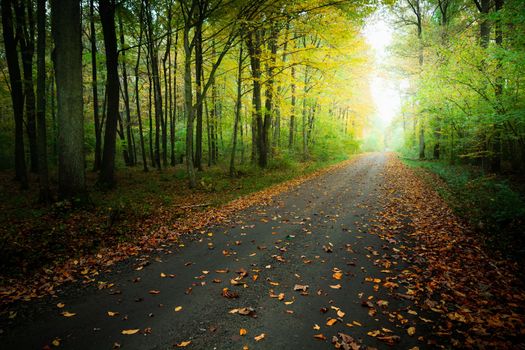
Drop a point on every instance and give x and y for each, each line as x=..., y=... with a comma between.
x=107, y=18
x=26, y=35
x=43, y=175
x=67, y=33
x=17, y=94
x=94, y=86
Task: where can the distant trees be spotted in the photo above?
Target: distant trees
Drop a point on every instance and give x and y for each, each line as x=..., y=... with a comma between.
x=470, y=90
x=247, y=67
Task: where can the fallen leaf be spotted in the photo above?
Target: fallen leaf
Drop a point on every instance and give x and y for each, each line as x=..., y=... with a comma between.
x=130, y=331
x=112, y=313
x=154, y=292
x=178, y=308
x=300, y=287
x=320, y=336
x=229, y=294
x=243, y=331
x=61, y=305
x=411, y=331
x=340, y=313
x=335, y=286
x=68, y=314
x=331, y=322
x=56, y=342
x=260, y=337
x=337, y=275
x=184, y=344
x=316, y=327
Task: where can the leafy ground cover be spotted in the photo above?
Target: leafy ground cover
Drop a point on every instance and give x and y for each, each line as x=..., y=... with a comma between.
x=493, y=206
x=476, y=299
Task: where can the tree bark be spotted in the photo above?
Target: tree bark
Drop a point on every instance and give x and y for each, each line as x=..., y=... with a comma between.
x=107, y=18
x=67, y=34
x=94, y=83
x=238, y=106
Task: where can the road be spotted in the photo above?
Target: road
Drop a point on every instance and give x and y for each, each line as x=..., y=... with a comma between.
x=314, y=236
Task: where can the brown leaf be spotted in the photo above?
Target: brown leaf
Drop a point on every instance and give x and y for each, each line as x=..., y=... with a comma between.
x=154, y=292
x=320, y=336
x=331, y=321
x=300, y=287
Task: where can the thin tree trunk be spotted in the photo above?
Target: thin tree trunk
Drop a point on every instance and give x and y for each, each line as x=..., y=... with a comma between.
x=98, y=126
x=26, y=37
x=137, y=95
x=43, y=175
x=199, y=95
x=292, y=114
x=238, y=106
x=129, y=141
x=157, y=93
x=188, y=98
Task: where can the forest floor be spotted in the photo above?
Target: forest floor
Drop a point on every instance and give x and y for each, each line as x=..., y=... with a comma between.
x=363, y=255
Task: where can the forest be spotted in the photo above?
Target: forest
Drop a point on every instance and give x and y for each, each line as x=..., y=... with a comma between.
x=129, y=126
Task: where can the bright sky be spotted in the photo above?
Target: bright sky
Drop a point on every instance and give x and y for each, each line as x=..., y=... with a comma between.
x=385, y=92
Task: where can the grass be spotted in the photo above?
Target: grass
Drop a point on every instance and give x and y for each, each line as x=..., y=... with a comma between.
x=33, y=235
x=493, y=206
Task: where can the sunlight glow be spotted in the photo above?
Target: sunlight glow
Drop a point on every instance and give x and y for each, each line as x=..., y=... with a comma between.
x=385, y=91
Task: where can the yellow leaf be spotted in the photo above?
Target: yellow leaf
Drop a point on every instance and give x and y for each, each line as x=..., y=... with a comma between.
x=260, y=337
x=337, y=275
x=163, y=275
x=331, y=322
x=130, y=331
x=340, y=313
x=243, y=331
x=374, y=333
x=56, y=342
x=68, y=314
x=112, y=313
x=178, y=308
x=184, y=344
x=61, y=305
x=316, y=327
x=335, y=286
x=411, y=331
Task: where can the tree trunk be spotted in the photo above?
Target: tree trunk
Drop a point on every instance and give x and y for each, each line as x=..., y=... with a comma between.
x=188, y=103
x=129, y=140
x=198, y=92
x=107, y=18
x=157, y=93
x=43, y=175
x=17, y=95
x=137, y=96
x=292, y=115
x=173, y=111
x=238, y=106
x=67, y=34
x=26, y=37
x=94, y=83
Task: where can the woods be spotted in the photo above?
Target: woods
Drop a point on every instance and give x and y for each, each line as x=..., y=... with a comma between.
x=466, y=99
x=160, y=84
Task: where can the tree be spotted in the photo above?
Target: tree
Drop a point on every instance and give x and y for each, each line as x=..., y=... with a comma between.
x=107, y=18
x=17, y=95
x=67, y=33
x=45, y=195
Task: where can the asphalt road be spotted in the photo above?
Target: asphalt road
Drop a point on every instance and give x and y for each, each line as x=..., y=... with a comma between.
x=310, y=236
